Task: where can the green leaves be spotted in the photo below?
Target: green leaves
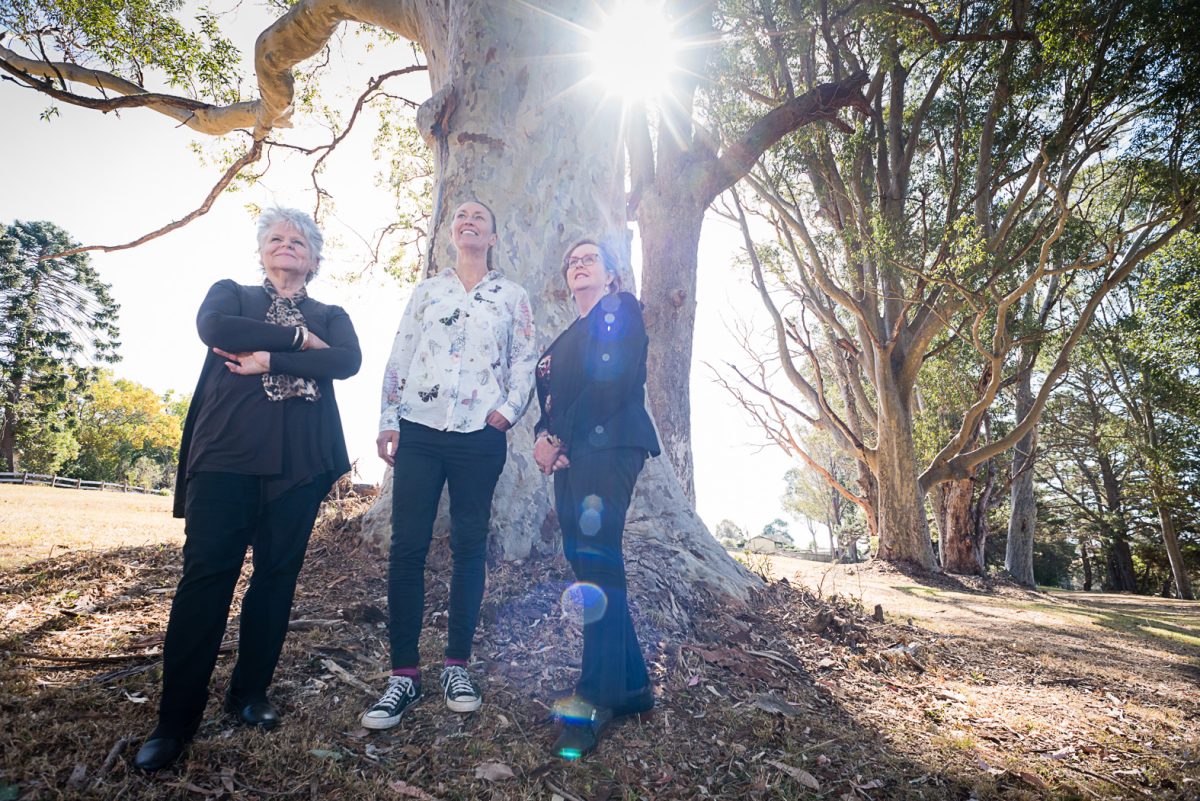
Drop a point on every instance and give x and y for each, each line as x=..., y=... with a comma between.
x=140, y=40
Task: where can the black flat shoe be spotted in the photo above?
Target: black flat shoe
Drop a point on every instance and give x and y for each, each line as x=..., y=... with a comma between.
x=580, y=734
x=260, y=714
x=158, y=753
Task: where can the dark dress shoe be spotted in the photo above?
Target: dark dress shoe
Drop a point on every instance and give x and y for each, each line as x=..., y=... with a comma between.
x=579, y=735
x=158, y=752
x=260, y=714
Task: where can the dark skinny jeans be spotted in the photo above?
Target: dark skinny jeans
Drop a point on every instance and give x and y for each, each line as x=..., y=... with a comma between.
x=591, y=498
x=469, y=465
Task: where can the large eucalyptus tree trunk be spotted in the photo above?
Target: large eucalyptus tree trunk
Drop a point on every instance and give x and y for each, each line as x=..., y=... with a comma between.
x=1022, y=517
x=1119, y=570
x=903, y=530
x=959, y=545
x=670, y=241
x=512, y=124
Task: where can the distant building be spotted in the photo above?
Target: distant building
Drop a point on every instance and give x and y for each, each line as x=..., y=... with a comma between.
x=769, y=543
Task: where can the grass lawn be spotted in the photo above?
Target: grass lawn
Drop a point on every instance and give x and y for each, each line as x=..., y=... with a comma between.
x=38, y=522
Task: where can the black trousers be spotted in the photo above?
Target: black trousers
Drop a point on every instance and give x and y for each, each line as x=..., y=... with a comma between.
x=224, y=514
x=469, y=465
x=591, y=498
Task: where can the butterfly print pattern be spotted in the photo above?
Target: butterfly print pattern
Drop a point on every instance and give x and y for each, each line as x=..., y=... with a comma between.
x=459, y=355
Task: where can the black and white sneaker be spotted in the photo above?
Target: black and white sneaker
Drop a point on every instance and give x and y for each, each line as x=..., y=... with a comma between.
x=461, y=693
x=401, y=694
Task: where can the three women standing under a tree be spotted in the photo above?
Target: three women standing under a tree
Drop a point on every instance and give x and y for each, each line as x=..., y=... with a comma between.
x=263, y=444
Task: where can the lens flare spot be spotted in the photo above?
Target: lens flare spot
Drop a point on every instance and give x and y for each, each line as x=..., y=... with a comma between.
x=573, y=709
x=590, y=517
x=584, y=601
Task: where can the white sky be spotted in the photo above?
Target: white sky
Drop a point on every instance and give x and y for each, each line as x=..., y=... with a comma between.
x=107, y=179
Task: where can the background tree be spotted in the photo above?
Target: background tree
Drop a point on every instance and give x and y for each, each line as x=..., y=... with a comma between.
x=730, y=534
x=57, y=316
x=777, y=531
x=1003, y=153
x=808, y=496
x=126, y=433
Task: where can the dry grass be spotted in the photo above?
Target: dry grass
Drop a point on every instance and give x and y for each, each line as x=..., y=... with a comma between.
x=794, y=698
x=39, y=522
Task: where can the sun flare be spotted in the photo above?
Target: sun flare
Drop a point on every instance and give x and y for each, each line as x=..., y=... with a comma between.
x=634, y=51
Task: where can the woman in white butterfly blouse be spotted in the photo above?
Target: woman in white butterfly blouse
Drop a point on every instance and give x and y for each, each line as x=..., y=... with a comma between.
x=459, y=376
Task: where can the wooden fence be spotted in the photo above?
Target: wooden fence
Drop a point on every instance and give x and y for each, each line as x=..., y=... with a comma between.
x=71, y=483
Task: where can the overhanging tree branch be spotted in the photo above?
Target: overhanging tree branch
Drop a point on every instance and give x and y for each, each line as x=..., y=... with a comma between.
x=249, y=157
x=819, y=104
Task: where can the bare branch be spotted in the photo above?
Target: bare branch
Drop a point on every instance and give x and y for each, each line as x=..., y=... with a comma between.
x=821, y=103
x=195, y=114
x=249, y=157
x=941, y=37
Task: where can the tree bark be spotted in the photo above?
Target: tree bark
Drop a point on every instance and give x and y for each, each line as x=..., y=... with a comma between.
x=1022, y=505
x=1183, y=587
x=1118, y=566
x=1087, y=566
x=1118, y=558
x=961, y=548
x=544, y=154
x=669, y=225
x=8, y=435
x=903, y=529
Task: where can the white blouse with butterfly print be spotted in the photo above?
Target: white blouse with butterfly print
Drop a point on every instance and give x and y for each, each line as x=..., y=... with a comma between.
x=459, y=355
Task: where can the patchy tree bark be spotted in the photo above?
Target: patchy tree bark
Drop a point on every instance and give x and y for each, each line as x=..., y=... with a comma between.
x=1022, y=507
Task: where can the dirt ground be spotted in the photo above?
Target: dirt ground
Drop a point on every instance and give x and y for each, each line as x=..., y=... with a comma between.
x=990, y=692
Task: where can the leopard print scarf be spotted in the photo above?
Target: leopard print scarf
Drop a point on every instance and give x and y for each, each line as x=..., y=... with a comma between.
x=284, y=311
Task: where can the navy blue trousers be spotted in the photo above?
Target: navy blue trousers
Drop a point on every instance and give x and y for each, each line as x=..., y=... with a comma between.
x=591, y=499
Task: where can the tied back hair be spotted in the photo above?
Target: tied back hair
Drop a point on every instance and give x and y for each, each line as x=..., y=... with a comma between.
x=608, y=259
x=491, y=265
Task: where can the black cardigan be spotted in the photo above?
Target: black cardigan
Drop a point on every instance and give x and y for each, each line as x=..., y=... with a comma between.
x=232, y=318
x=596, y=380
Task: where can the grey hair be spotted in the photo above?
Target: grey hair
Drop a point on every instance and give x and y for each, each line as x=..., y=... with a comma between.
x=299, y=220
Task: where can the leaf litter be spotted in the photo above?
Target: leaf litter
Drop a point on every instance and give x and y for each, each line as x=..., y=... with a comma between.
x=791, y=697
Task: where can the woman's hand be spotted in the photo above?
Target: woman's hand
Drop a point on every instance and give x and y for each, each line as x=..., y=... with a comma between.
x=250, y=363
x=314, y=342
x=549, y=457
x=497, y=420
x=386, y=444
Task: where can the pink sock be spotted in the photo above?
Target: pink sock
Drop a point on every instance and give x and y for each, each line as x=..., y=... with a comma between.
x=412, y=672
x=456, y=663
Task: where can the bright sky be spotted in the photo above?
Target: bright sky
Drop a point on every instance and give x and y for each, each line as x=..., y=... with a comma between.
x=108, y=179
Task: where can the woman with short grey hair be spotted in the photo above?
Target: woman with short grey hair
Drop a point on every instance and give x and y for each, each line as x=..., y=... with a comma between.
x=261, y=447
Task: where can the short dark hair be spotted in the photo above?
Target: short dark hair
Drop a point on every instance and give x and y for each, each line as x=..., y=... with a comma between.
x=607, y=257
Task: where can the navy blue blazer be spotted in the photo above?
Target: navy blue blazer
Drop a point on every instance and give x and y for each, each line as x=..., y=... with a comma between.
x=591, y=381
